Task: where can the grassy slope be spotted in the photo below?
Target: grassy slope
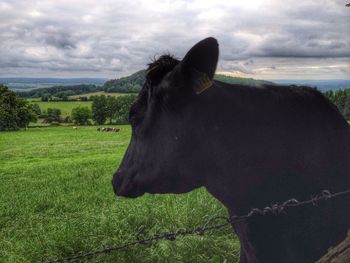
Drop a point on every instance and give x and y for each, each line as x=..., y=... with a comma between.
x=56, y=199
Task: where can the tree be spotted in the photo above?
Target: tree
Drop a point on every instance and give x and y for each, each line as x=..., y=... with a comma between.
x=111, y=108
x=329, y=94
x=52, y=115
x=14, y=113
x=99, y=109
x=8, y=109
x=123, y=107
x=25, y=113
x=346, y=111
x=36, y=109
x=80, y=115
x=46, y=97
x=341, y=99
x=64, y=95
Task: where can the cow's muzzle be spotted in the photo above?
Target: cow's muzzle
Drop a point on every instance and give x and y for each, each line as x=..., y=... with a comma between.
x=123, y=185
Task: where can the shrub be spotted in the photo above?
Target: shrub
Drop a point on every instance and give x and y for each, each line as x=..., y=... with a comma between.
x=52, y=115
x=80, y=115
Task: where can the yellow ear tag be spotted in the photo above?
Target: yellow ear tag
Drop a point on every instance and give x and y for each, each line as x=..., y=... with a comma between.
x=203, y=84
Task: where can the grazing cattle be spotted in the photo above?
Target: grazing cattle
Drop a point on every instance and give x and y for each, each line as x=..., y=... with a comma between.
x=74, y=127
x=249, y=146
x=109, y=129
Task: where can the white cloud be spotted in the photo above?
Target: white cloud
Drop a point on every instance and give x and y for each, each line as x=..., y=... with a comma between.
x=113, y=38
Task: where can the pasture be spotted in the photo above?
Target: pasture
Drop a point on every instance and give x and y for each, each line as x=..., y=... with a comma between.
x=65, y=106
x=56, y=199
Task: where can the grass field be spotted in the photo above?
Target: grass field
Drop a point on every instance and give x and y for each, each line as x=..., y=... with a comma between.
x=56, y=200
x=65, y=106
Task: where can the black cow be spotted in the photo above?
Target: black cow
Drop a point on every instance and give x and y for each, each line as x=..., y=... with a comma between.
x=249, y=146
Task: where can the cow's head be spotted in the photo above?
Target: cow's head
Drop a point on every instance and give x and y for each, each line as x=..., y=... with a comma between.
x=162, y=156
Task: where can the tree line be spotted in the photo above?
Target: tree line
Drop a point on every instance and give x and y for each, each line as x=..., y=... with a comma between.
x=57, y=92
x=113, y=110
x=129, y=84
x=341, y=99
x=16, y=113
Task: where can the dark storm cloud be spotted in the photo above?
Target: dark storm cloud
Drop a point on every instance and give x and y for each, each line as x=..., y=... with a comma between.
x=60, y=40
x=115, y=38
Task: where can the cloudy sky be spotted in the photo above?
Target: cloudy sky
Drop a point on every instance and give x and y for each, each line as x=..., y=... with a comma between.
x=269, y=39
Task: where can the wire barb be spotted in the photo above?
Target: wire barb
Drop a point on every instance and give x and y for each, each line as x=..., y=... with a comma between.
x=210, y=225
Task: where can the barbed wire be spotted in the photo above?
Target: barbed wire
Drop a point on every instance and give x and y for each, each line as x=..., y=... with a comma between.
x=211, y=225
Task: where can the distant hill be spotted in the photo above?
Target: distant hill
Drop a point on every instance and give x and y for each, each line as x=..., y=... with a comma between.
x=322, y=85
x=62, y=92
x=36, y=83
x=242, y=81
x=129, y=84
x=134, y=82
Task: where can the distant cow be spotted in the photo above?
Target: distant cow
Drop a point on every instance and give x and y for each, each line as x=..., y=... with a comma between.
x=249, y=146
x=108, y=129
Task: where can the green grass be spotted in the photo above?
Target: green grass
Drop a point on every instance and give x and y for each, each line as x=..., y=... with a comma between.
x=65, y=106
x=56, y=200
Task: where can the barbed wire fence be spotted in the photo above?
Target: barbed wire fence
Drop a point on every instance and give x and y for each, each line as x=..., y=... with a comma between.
x=213, y=224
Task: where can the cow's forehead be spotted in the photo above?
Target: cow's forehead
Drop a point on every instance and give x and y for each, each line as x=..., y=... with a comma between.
x=161, y=66
x=156, y=70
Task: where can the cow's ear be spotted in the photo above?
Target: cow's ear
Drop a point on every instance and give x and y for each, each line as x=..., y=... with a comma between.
x=200, y=62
